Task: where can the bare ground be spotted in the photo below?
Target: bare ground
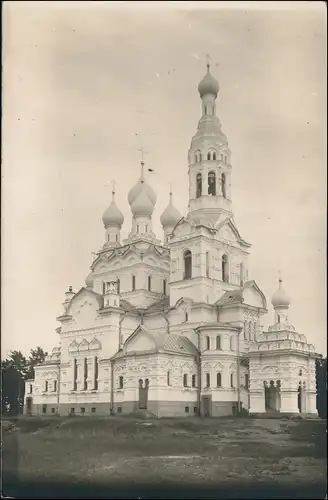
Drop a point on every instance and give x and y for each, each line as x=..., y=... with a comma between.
x=187, y=458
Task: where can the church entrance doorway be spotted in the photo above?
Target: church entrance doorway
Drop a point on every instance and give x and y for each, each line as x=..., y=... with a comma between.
x=143, y=394
x=301, y=398
x=29, y=406
x=272, y=396
x=207, y=406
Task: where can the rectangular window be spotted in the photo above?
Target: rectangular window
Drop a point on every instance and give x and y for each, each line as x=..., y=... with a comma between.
x=193, y=381
x=149, y=283
x=44, y=408
x=85, y=380
x=95, y=382
x=195, y=409
x=121, y=382
x=93, y=410
x=46, y=386
x=164, y=287
x=72, y=411
x=31, y=388
x=119, y=409
x=246, y=380
x=118, y=286
x=218, y=342
x=186, y=409
x=208, y=380
x=74, y=375
x=55, y=386
x=53, y=410
x=168, y=378
x=82, y=410
x=133, y=283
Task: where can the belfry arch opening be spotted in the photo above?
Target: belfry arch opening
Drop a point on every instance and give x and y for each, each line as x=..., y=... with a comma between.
x=187, y=258
x=198, y=185
x=224, y=185
x=211, y=183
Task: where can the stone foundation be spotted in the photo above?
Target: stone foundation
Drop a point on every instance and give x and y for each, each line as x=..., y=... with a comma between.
x=159, y=408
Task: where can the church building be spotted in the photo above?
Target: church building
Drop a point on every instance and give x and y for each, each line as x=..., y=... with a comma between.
x=172, y=326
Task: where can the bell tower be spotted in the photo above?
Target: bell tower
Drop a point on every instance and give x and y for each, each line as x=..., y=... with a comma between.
x=209, y=160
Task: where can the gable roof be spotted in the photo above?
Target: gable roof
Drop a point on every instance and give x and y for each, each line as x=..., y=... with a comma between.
x=229, y=221
x=87, y=291
x=159, y=305
x=237, y=296
x=164, y=343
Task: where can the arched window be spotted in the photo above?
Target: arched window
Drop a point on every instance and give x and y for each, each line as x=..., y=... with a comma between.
x=218, y=380
x=223, y=185
x=121, y=382
x=168, y=378
x=241, y=273
x=186, y=317
x=214, y=156
x=46, y=386
x=249, y=330
x=207, y=264
x=208, y=345
x=193, y=381
x=208, y=380
x=164, y=287
x=225, y=268
x=254, y=330
x=196, y=158
x=211, y=184
x=232, y=380
x=278, y=318
x=118, y=286
x=137, y=228
x=218, y=342
x=198, y=185
x=133, y=282
x=55, y=386
x=231, y=343
x=185, y=380
x=187, y=264
x=149, y=283
x=200, y=157
x=208, y=156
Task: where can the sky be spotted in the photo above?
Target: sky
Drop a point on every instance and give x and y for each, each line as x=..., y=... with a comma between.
x=86, y=85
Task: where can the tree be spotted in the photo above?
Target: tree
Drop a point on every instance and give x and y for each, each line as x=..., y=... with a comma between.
x=14, y=371
x=37, y=356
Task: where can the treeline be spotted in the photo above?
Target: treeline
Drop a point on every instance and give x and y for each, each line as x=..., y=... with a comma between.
x=15, y=370
x=321, y=379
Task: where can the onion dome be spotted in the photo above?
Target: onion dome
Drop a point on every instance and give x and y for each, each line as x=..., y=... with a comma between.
x=208, y=85
x=139, y=186
x=142, y=206
x=113, y=215
x=171, y=215
x=89, y=280
x=280, y=298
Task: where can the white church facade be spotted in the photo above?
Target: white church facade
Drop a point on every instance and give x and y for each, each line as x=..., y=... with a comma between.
x=173, y=327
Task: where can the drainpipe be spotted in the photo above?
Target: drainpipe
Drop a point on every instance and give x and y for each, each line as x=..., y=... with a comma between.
x=199, y=372
x=238, y=370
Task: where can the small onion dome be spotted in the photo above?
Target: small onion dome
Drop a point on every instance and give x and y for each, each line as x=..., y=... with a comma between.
x=171, y=215
x=280, y=298
x=113, y=216
x=89, y=280
x=136, y=190
x=208, y=85
x=142, y=205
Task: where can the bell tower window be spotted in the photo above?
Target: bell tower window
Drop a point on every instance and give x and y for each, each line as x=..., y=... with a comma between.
x=214, y=156
x=187, y=264
x=208, y=156
x=198, y=185
x=225, y=268
x=224, y=185
x=211, y=184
